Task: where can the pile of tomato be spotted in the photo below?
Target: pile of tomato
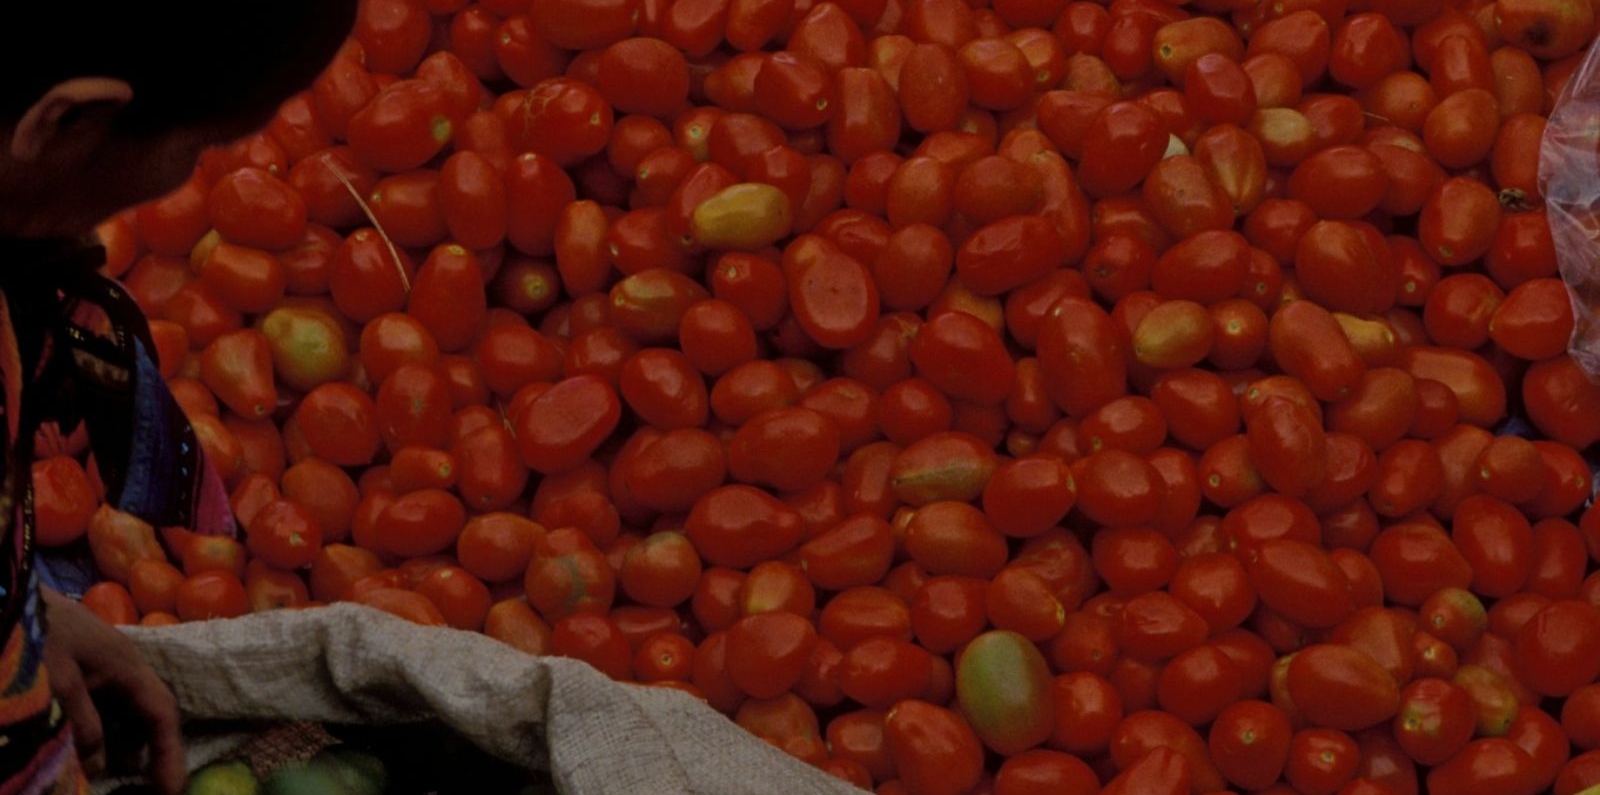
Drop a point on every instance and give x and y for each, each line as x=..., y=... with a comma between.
x=1004, y=396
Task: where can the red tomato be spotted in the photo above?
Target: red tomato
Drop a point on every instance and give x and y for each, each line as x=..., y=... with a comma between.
x=963, y=357
x=1551, y=648
x=934, y=749
x=1299, y=581
x=1342, y=688
x=1249, y=742
x=1488, y=765
x=560, y=429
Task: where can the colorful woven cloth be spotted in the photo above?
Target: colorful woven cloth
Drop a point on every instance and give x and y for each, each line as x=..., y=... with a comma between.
x=75, y=350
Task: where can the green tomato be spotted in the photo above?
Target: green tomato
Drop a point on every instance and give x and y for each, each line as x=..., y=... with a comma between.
x=1003, y=687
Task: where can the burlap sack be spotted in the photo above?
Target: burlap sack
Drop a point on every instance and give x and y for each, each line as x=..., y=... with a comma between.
x=354, y=665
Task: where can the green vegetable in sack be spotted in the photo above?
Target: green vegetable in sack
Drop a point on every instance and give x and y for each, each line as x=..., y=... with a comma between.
x=305, y=779
x=358, y=772
x=223, y=778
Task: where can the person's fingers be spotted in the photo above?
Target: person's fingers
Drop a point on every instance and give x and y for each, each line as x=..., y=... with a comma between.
x=85, y=655
x=87, y=732
x=149, y=696
x=168, y=768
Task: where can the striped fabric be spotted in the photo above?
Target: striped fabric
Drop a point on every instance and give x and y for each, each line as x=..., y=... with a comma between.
x=74, y=349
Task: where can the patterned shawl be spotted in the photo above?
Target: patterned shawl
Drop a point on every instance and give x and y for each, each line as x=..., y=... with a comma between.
x=75, y=349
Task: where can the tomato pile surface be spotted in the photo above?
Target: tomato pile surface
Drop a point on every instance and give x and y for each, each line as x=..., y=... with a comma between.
x=1005, y=396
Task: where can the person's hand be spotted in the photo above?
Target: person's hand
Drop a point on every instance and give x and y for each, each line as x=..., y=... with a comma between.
x=86, y=657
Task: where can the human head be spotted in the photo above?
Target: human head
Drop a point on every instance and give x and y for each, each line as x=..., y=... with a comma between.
x=106, y=103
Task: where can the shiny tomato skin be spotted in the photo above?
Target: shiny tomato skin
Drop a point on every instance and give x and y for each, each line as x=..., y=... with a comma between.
x=1162, y=771
x=1539, y=734
x=1558, y=398
x=949, y=537
x=1156, y=626
x=1479, y=388
x=1009, y=253
x=1321, y=760
x=964, y=357
x=831, y=293
x=560, y=429
x=1552, y=651
x=1206, y=267
x=1416, y=560
x=1249, y=742
x=739, y=526
x=1488, y=765
x=933, y=88
x=403, y=127
x=1288, y=445
x=787, y=448
x=1185, y=199
x=767, y=652
x=1346, y=266
x=1146, y=733
x=1122, y=143
x=1497, y=540
x=935, y=750
x=1535, y=320
x=1027, y=496
x=1339, y=182
x=1307, y=342
x=1436, y=720
x=1082, y=355
x=1458, y=221
x=1339, y=687
x=1297, y=579
x=252, y=207
x=868, y=117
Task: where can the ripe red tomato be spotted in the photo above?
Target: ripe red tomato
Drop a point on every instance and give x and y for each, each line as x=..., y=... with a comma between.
x=934, y=749
x=1550, y=650
x=1342, y=688
x=1491, y=764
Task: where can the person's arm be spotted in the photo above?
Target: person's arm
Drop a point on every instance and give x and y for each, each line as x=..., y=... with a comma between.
x=84, y=656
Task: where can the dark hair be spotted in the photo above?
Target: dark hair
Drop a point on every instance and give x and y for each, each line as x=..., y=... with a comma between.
x=189, y=61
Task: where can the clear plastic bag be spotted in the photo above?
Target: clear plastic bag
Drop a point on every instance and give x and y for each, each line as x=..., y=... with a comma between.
x=1569, y=178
